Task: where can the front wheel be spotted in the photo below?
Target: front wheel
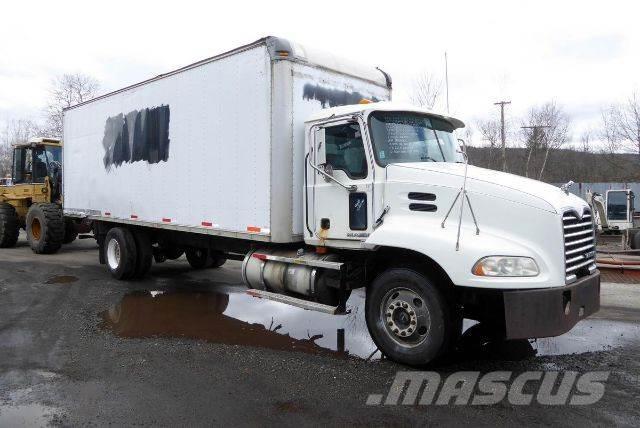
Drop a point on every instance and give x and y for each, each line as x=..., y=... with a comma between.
x=407, y=317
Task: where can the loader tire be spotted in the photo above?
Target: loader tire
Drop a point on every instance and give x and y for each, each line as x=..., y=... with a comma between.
x=120, y=253
x=45, y=228
x=70, y=231
x=9, y=226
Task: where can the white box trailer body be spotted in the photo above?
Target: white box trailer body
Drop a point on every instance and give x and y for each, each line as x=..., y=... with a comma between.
x=216, y=147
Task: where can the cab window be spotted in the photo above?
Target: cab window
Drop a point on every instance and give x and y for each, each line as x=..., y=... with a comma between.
x=39, y=165
x=22, y=165
x=345, y=150
x=617, y=205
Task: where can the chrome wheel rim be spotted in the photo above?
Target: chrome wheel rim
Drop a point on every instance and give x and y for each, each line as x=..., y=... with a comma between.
x=405, y=317
x=113, y=254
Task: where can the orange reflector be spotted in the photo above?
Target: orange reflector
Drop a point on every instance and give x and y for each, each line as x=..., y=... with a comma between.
x=321, y=250
x=282, y=53
x=253, y=229
x=259, y=256
x=477, y=270
x=207, y=224
x=365, y=101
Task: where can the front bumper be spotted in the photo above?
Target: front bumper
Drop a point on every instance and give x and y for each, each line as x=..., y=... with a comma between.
x=550, y=311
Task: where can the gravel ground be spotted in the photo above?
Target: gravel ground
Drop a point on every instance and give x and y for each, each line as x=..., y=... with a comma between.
x=190, y=348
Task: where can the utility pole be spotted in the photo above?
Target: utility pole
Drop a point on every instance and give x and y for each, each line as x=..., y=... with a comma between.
x=446, y=77
x=502, y=136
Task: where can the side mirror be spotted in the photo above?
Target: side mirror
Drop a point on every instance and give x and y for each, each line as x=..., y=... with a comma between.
x=321, y=152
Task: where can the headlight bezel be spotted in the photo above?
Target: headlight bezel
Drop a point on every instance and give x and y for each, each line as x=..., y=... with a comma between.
x=489, y=266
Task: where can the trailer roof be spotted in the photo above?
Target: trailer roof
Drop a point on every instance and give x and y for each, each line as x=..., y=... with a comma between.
x=381, y=106
x=279, y=50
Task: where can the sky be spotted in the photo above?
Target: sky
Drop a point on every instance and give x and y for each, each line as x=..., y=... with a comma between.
x=581, y=54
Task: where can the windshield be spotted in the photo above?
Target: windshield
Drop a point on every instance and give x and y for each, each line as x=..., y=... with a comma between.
x=54, y=153
x=617, y=205
x=400, y=137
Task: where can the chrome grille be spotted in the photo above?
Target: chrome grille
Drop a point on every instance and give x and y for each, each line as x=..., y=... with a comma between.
x=579, y=244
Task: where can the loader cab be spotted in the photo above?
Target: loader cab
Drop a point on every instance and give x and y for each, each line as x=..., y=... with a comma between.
x=36, y=160
x=620, y=208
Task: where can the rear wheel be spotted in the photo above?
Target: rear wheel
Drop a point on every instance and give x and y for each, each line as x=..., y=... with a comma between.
x=200, y=258
x=173, y=253
x=120, y=253
x=144, y=253
x=45, y=228
x=70, y=231
x=407, y=317
x=9, y=226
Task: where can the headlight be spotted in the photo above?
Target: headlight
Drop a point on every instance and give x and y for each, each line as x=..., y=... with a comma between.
x=506, y=266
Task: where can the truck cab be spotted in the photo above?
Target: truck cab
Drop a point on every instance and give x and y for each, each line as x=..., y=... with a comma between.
x=386, y=181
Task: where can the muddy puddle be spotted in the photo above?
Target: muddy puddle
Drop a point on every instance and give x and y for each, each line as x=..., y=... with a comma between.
x=232, y=317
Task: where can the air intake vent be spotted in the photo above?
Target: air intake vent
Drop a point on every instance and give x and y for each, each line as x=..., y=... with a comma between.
x=423, y=207
x=579, y=244
x=417, y=196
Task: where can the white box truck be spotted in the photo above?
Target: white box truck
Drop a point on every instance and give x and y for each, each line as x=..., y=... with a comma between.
x=296, y=163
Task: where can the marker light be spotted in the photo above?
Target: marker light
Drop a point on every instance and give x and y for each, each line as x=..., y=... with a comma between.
x=505, y=266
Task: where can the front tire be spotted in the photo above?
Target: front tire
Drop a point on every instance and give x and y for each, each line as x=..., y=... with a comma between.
x=45, y=228
x=407, y=317
x=120, y=253
x=9, y=226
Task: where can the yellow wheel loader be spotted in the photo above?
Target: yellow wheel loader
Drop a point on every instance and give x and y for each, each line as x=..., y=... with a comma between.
x=33, y=199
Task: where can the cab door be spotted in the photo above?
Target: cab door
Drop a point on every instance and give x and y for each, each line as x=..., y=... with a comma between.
x=343, y=185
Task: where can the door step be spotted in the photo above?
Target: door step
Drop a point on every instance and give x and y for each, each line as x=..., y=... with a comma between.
x=293, y=301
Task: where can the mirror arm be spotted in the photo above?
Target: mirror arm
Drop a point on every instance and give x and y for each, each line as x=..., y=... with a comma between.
x=350, y=188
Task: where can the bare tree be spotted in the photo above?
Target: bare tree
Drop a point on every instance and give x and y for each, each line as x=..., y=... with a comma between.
x=608, y=131
x=426, y=90
x=626, y=120
x=585, y=141
x=14, y=132
x=490, y=131
x=66, y=91
x=548, y=129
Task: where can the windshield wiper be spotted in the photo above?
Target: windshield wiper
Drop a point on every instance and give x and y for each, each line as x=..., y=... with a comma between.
x=424, y=158
x=439, y=146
